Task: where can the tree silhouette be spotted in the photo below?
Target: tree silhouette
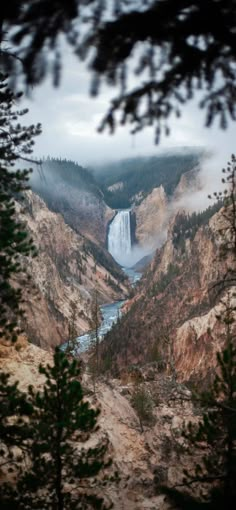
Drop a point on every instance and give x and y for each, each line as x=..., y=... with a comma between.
x=143, y=405
x=14, y=432
x=72, y=345
x=16, y=143
x=94, y=361
x=181, y=46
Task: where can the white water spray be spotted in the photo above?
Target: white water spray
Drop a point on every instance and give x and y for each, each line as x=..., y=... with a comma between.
x=119, y=237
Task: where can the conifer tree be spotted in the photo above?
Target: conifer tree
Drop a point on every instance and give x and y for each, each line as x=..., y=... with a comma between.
x=94, y=360
x=16, y=143
x=60, y=464
x=14, y=410
x=213, y=439
x=143, y=405
x=72, y=345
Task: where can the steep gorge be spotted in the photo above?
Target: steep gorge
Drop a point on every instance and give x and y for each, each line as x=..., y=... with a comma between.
x=169, y=331
x=171, y=318
x=73, y=260
x=67, y=269
x=72, y=191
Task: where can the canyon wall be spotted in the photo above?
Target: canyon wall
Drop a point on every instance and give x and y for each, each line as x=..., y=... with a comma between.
x=171, y=318
x=71, y=190
x=152, y=218
x=84, y=211
x=64, y=270
x=155, y=210
x=144, y=459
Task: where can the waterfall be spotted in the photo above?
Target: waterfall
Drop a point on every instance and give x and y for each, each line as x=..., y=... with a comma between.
x=119, y=237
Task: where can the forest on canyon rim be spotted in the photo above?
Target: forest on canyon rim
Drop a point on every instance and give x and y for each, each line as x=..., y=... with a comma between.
x=50, y=469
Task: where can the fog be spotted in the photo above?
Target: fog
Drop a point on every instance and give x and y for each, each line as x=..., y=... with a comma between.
x=195, y=199
x=137, y=253
x=70, y=118
x=209, y=180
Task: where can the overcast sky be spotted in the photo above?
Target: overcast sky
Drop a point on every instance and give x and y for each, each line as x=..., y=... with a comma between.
x=70, y=117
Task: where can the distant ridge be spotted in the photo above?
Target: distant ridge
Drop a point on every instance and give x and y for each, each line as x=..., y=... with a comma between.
x=140, y=175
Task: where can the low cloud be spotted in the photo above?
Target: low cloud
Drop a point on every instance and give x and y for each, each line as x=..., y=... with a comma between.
x=196, y=198
x=70, y=118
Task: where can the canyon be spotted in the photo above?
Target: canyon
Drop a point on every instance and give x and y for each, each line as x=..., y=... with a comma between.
x=167, y=334
x=65, y=271
x=71, y=224
x=171, y=320
x=144, y=459
x=74, y=260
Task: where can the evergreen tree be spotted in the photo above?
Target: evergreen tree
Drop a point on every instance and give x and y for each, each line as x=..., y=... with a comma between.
x=94, y=360
x=14, y=410
x=15, y=144
x=143, y=405
x=72, y=345
x=60, y=465
x=213, y=439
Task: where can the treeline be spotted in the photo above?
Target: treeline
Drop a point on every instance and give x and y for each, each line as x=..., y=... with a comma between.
x=138, y=175
x=142, y=175
x=165, y=279
x=186, y=225
x=66, y=170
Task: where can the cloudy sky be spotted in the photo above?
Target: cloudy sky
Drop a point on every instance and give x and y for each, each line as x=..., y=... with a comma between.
x=70, y=117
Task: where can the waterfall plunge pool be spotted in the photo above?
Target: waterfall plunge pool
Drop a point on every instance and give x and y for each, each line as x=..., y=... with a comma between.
x=120, y=247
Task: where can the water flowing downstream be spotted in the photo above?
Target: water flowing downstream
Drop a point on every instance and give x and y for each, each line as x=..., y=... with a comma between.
x=109, y=316
x=109, y=313
x=120, y=247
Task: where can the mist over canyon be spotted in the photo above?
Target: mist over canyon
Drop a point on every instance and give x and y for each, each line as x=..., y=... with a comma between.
x=121, y=216
x=117, y=255
x=150, y=188
x=128, y=259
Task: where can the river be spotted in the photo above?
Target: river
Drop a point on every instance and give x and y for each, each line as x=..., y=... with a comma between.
x=109, y=314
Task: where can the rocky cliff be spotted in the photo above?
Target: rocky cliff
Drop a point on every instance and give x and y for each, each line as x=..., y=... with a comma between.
x=71, y=190
x=66, y=269
x=151, y=219
x=171, y=319
x=155, y=211
x=143, y=459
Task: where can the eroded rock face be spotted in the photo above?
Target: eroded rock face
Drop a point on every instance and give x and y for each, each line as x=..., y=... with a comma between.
x=84, y=211
x=171, y=319
x=76, y=196
x=151, y=219
x=144, y=460
x=64, y=270
x=155, y=212
x=189, y=182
